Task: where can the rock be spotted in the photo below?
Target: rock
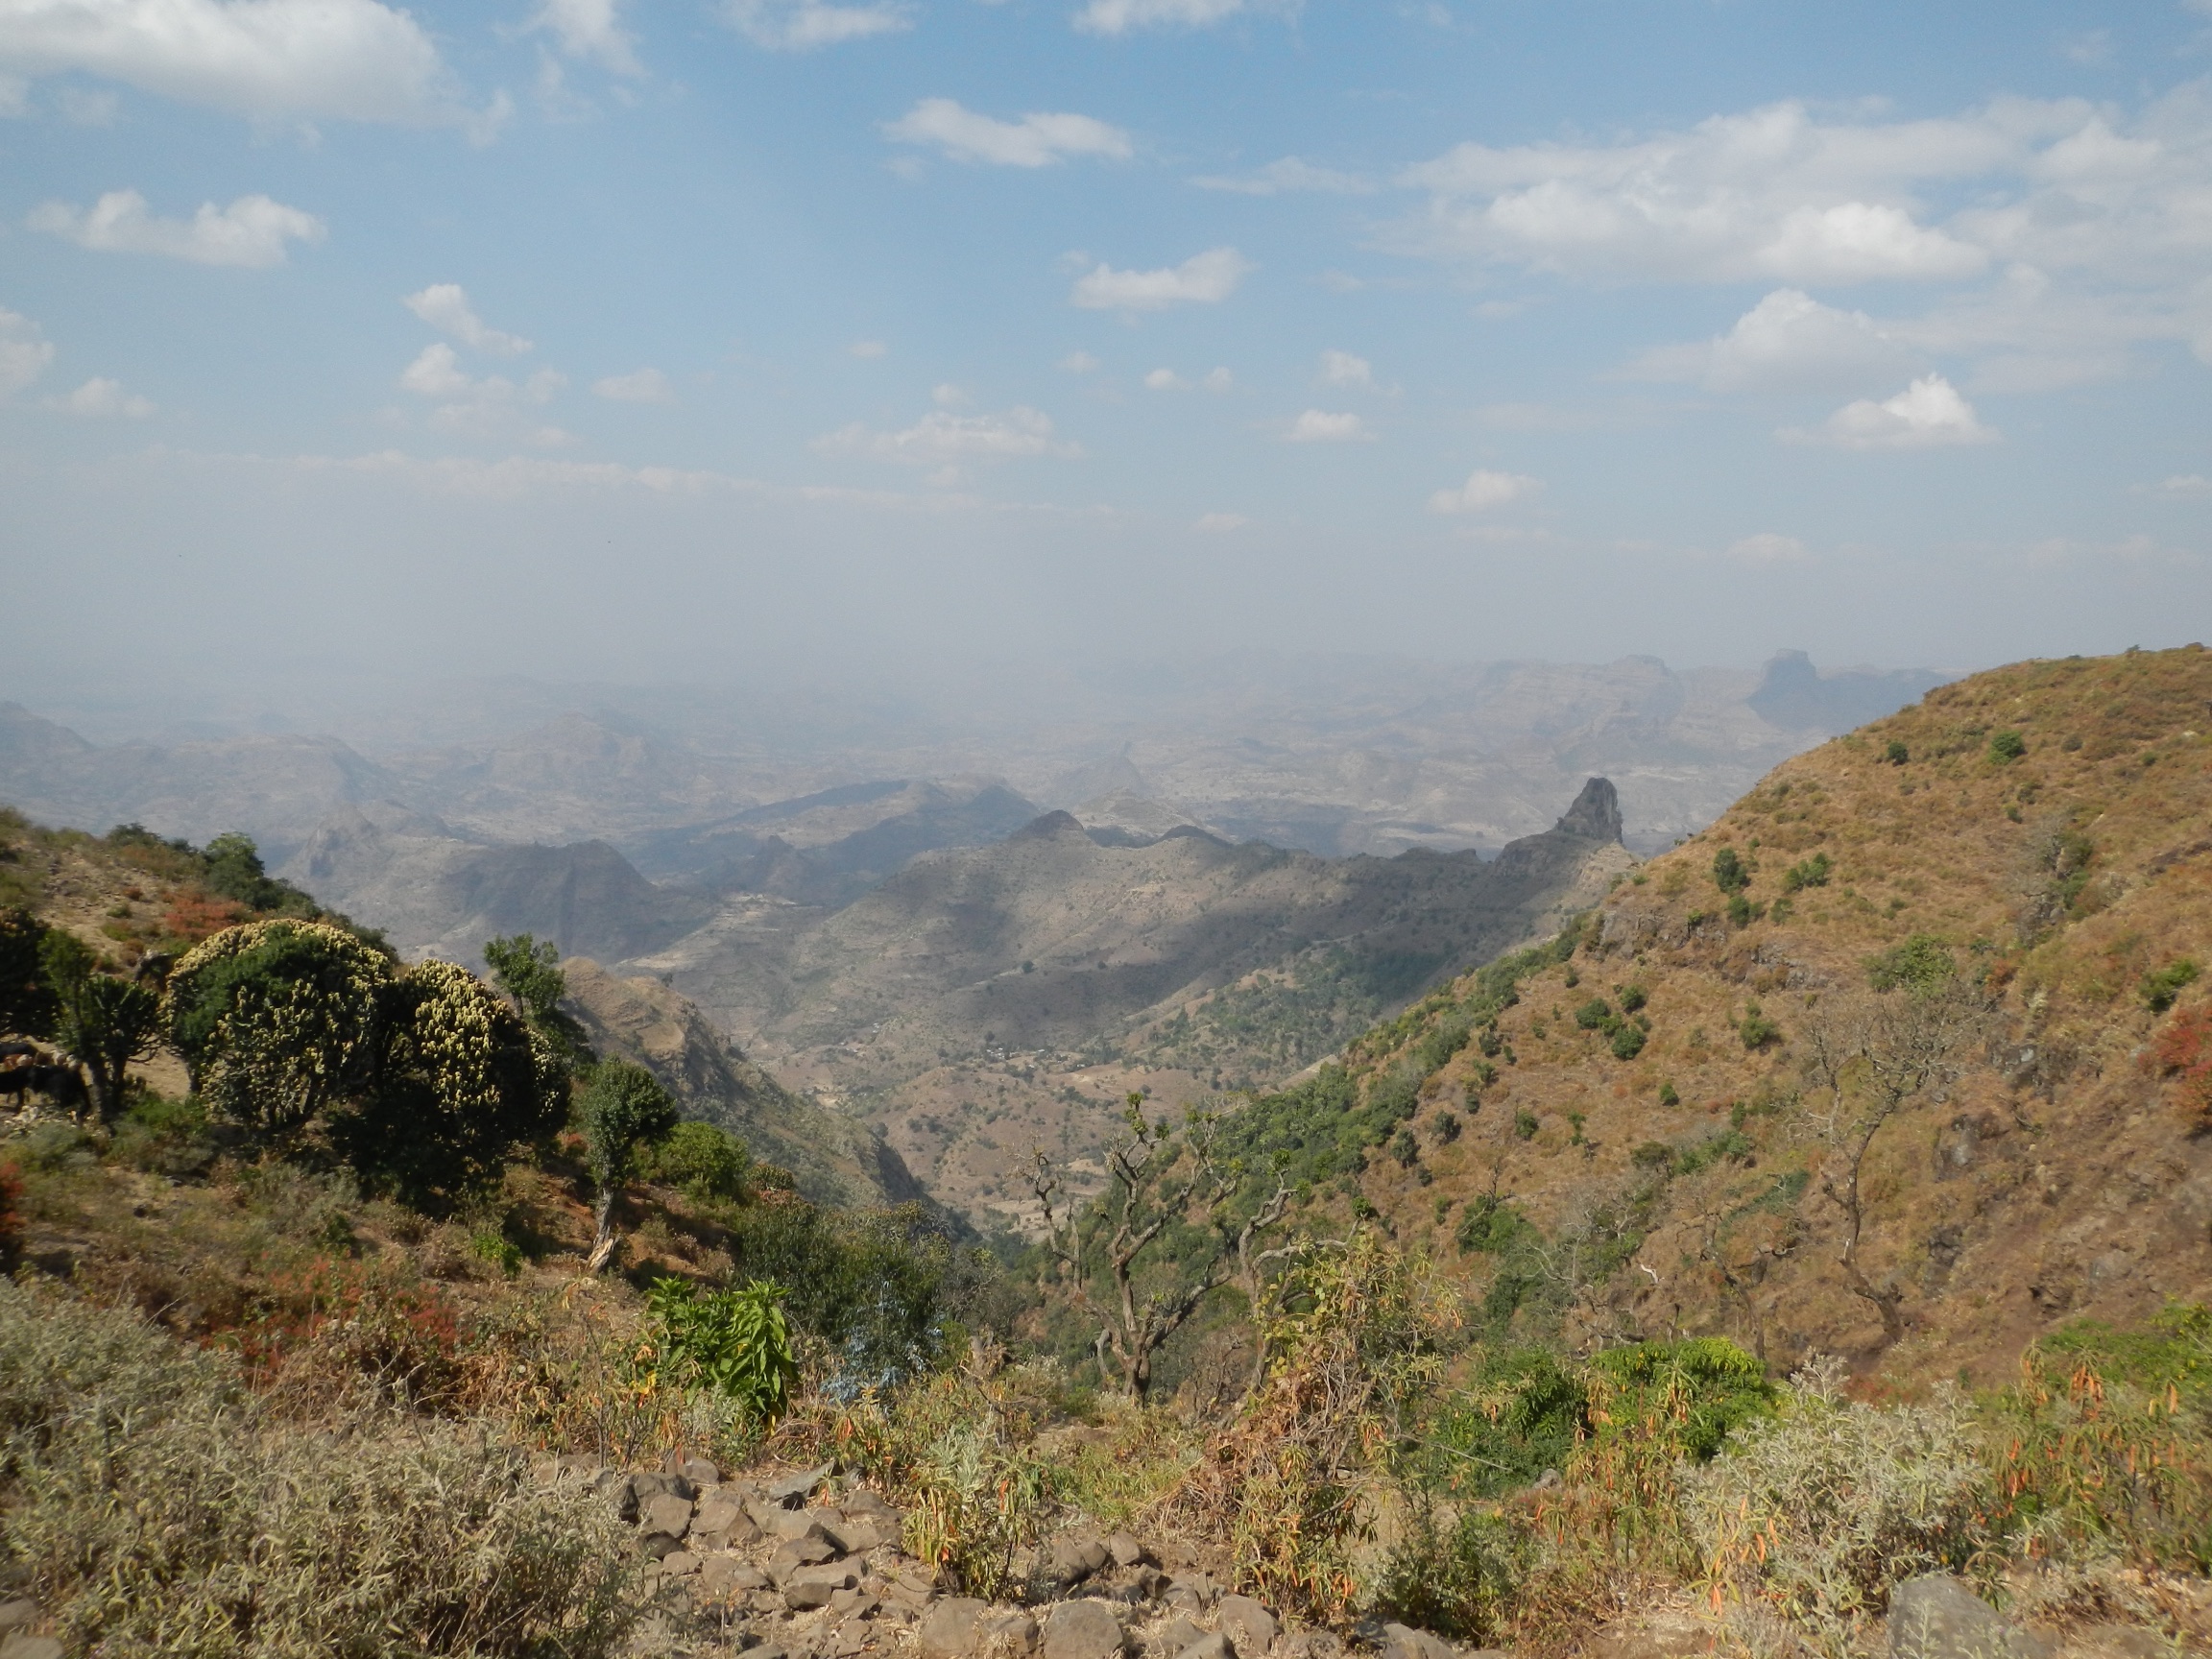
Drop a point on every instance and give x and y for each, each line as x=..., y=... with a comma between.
x=1150, y=1584
x=854, y=1602
x=858, y=1534
x=949, y=1632
x=1403, y=1641
x=1252, y=1627
x=814, y=1586
x=1195, y=1594
x=1178, y=1633
x=1212, y=1646
x=1075, y=1558
x=730, y=1575
x=651, y=1483
x=22, y=1647
x=699, y=1472
x=862, y=1502
x=657, y=1544
x=793, y=1525
x=620, y=1491
x=1326, y=1644
x=794, y=1489
x=796, y=1556
x=666, y=1513
x=1001, y=1634
x=16, y=1613
x=680, y=1563
x=716, y=1515
x=1085, y=1630
x=1938, y=1617
x=1126, y=1552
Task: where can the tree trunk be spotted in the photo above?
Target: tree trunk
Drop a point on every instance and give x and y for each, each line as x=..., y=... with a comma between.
x=604, y=1243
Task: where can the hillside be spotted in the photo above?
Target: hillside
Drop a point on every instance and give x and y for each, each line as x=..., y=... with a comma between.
x=985, y=1001
x=2026, y=859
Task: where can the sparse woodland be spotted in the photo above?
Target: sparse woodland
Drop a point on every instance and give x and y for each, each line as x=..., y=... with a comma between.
x=1819, y=1227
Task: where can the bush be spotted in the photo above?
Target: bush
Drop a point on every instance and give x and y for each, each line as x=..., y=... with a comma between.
x=1524, y=1124
x=731, y=1343
x=1818, y=1513
x=1730, y=874
x=2162, y=987
x=1813, y=873
x=1756, y=1029
x=2006, y=747
x=1452, y=1573
x=1921, y=963
x=155, y=1506
x=1895, y=753
x=1627, y=1041
x=705, y=1162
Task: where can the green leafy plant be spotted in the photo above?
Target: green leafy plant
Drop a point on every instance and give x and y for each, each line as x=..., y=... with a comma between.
x=2161, y=987
x=623, y=1108
x=1756, y=1029
x=731, y=1343
x=1524, y=1124
x=1895, y=752
x=1813, y=872
x=101, y=1022
x=2006, y=746
x=1921, y=963
x=1730, y=873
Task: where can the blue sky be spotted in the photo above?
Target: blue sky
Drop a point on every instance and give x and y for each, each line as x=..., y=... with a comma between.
x=640, y=336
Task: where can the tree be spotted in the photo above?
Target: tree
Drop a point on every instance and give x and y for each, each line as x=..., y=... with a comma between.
x=277, y=1021
x=26, y=1000
x=1157, y=1180
x=234, y=870
x=530, y=973
x=1873, y=1056
x=456, y=1081
x=100, y=1022
x=623, y=1107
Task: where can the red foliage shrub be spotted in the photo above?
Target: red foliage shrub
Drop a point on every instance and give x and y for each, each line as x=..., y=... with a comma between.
x=11, y=1210
x=2183, y=1053
x=336, y=1325
x=197, y=916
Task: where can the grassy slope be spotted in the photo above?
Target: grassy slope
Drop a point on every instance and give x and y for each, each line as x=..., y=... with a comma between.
x=2053, y=1178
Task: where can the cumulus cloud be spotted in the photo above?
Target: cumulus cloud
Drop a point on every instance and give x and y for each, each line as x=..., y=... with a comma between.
x=1484, y=491
x=1319, y=426
x=1203, y=279
x=1218, y=380
x=1788, y=342
x=1342, y=368
x=1769, y=548
x=2185, y=487
x=1929, y=414
x=490, y=407
x=24, y=353
x=348, y=60
x=1222, y=523
x=805, y=25
x=253, y=231
x=1120, y=16
x=1287, y=177
x=942, y=438
x=1079, y=363
x=592, y=30
x=640, y=386
x=446, y=307
x=1165, y=380
x=104, y=399
x=1035, y=140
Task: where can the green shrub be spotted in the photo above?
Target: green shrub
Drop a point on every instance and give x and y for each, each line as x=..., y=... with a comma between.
x=498, y=1250
x=1921, y=963
x=1895, y=753
x=1742, y=912
x=1404, y=1148
x=703, y=1160
x=1633, y=997
x=731, y=1343
x=1730, y=874
x=1490, y=1227
x=1454, y=1574
x=2006, y=747
x=1627, y=1041
x=1524, y=1124
x=2163, y=986
x=1813, y=873
x=155, y=1507
x=1756, y=1029
x=1595, y=1013
x=1445, y=1126
x=1670, y=1095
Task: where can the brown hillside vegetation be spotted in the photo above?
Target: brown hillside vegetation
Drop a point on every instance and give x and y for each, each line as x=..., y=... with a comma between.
x=2047, y=1160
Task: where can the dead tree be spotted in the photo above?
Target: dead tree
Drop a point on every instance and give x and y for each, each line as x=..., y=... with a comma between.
x=1155, y=1179
x=1873, y=1056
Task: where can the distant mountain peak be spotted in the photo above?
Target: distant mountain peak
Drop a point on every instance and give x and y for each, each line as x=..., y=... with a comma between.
x=1048, y=826
x=1595, y=814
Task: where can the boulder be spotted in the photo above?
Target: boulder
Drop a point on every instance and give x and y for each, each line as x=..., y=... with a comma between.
x=1178, y=1633
x=1403, y=1641
x=1126, y=1552
x=715, y=1516
x=730, y=1575
x=666, y=1513
x=657, y=1544
x=1252, y=1627
x=619, y=1490
x=22, y=1647
x=700, y=1471
x=651, y=1483
x=1938, y=1617
x=814, y=1586
x=1085, y=1630
x=858, y=1534
x=1074, y=1558
x=853, y=1604
x=680, y=1563
x=1212, y=1646
x=862, y=1502
x=16, y=1615
x=949, y=1632
x=1194, y=1594
x=794, y=1558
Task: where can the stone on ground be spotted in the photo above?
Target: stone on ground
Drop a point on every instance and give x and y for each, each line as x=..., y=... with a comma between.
x=949, y=1632
x=1085, y=1630
x=1252, y=1627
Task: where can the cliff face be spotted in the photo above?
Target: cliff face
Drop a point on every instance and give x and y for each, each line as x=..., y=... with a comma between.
x=2034, y=847
x=835, y=1159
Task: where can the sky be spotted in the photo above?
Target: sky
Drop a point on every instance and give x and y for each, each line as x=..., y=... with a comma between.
x=657, y=339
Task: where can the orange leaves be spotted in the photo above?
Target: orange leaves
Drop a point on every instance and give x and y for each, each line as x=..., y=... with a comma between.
x=2182, y=1054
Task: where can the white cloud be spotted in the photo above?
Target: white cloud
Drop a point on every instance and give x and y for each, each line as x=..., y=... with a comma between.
x=590, y=29
x=1788, y=342
x=98, y=400
x=868, y=349
x=446, y=307
x=1222, y=523
x=252, y=232
x=641, y=386
x=1485, y=489
x=1079, y=363
x=2186, y=486
x=1319, y=426
x=1165, y=380
x=1769, y=548
x=1035, y=140
x=23, y=353
x=1342, y=368
x=944, y=439
x=1928, y=414
x=435, y=374
x=493, y=407
x=351, y=60
x=1120, y=16
x=1218, y=380
x=804, y=25
x=1204, y=279
x=1287, y=177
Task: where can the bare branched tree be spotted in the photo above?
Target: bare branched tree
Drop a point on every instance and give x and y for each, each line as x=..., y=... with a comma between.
x=1872, y=1056
x=1157, y=1178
